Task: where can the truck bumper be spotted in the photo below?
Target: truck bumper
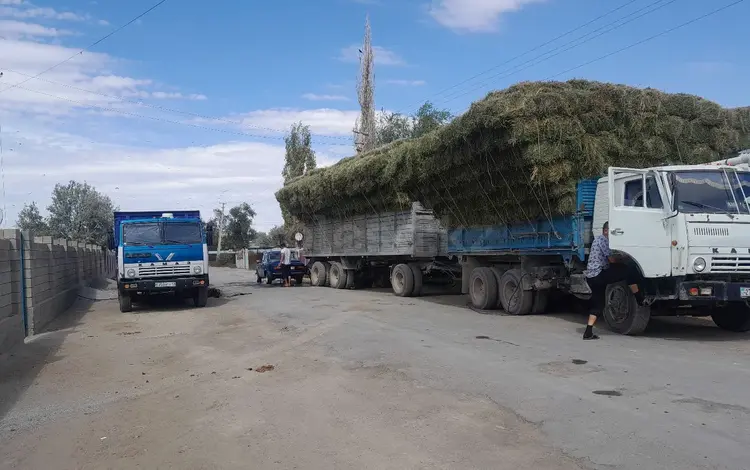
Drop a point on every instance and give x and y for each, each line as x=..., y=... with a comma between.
x=162, y=284
x=714, y=291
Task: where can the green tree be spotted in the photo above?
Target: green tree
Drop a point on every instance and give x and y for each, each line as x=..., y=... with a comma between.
x=79, y=212
x=278, y=235
x=239, y=227
x=30, y=219
x=299, y=157
x=262, y=239
x=428, y=118
x=391, y=127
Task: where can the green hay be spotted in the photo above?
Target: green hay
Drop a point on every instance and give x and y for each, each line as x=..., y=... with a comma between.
x=517, y=153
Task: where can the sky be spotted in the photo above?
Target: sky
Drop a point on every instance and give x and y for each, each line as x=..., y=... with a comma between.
x=187, y=107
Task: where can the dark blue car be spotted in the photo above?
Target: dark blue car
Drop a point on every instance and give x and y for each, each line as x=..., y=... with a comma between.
x=268, y=268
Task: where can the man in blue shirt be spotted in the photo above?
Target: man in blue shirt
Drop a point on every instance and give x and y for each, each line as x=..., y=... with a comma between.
x=604, y=269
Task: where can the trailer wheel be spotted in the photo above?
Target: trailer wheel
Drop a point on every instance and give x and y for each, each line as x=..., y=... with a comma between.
x=327, y=266
x=498, y=276
x=733, y=318
x=513, y=298
x=622, y=313
x=402, y=280
x=349, y=283
x=337, y=276
x=483, y=288
x=318, y=274
x=541, y=298
x=126, y=302
x=416, y=271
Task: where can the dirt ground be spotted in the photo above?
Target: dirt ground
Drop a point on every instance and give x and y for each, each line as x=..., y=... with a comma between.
x=170, y=386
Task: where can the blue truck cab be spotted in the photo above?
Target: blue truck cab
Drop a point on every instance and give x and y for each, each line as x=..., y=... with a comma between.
x=160, y=252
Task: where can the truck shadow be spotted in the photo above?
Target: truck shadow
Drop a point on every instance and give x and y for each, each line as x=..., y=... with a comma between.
x=20, y=366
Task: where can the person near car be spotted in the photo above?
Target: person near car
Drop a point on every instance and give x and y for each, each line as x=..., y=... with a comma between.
x=603, y=269
x=285, y=262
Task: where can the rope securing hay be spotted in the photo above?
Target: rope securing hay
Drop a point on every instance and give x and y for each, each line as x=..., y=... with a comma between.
x=517, y=153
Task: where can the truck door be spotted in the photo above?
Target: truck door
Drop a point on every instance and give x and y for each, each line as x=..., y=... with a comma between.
x=637, y=220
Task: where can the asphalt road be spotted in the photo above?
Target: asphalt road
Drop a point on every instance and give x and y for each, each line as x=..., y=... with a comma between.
x=369, y=380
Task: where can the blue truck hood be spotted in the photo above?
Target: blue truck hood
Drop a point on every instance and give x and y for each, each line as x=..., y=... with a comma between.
x=162, y=253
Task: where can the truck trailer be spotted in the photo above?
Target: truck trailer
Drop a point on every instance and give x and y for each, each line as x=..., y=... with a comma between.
x=405, y=249
x=685, y=228
x=160, y=252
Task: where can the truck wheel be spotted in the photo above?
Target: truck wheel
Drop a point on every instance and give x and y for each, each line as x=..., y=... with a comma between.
x=318, y=274
x=200, y=297
x=298, y=280
x=483, y=288
x=327, y=266
x=541, y=298
x=733, y=318
x=498, y=275
x=350, y=273
x=402, y=280
x=337, y=276
x=418, y=280
x=622, y=313
x=126, y=303
x=513, y=298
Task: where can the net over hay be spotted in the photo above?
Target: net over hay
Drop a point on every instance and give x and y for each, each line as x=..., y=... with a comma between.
x=517, y=154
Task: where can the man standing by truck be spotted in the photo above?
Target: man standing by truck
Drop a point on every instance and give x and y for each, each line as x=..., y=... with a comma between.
x=285, y=262
x=603, y=269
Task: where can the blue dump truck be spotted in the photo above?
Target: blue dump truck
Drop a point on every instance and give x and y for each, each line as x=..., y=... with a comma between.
x=160, y=252
x=684, y=228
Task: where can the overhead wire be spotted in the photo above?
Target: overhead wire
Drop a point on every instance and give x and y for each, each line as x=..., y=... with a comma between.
x=98, y=41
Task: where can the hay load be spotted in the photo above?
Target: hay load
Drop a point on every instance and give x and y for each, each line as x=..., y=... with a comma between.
x=517, y=154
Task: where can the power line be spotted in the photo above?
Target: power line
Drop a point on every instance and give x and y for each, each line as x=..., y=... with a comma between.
x=162, y=108
x=650, y=38
x=101, y=39
x=154, y=118
x=559, y=50
x=535, y=48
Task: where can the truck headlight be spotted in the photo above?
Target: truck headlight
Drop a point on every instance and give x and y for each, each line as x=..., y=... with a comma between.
x=699, y=265
x=130, y=272
x=197, y=269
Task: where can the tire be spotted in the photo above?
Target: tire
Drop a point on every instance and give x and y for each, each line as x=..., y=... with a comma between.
x=327, y=281
x=734, y=318
x=318, y=274
x=350, y=274
x=498, y=275
x=200, y=297
x=483, y=288
x=337, y=276
x=269, y=279
x=539, y=304
x=402, y=280
x=126, y=303
x=622, y=313
x=258, y=279
x=514, y=300
x=418, y=280
x=298, y=280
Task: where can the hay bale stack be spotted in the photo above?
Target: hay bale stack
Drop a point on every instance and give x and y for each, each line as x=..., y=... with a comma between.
x=517, y=154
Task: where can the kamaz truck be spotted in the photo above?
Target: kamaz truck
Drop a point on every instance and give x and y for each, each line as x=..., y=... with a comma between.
x=160, y=252
x=684, y=228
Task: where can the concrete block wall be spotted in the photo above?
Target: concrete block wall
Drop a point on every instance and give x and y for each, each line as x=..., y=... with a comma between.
x=40, y=278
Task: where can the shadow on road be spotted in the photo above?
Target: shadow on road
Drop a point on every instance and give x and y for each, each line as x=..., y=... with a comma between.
x=20, y=366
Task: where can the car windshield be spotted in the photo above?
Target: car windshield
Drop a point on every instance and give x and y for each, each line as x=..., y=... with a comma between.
x=182, y=232
x=160, y=233
x=276, y=255
x=141, y=234
x=709, y=191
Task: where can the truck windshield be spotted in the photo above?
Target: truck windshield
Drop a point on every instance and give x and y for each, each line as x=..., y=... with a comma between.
x=182, y=233
x=159, y=233
x=141, y=234
x=709, y=191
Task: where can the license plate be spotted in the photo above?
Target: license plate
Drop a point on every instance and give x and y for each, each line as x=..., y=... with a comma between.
x=165, y=284
x=744, y=292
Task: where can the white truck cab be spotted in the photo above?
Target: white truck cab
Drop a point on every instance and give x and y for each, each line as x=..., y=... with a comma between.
x=687, y=229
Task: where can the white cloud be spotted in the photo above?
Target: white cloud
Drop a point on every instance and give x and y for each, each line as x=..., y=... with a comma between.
x=36, y=12
x=11, y=29
x=322, y=121
x=317, y=97
x=475, y=16
x=406, y=82
x=382, y=55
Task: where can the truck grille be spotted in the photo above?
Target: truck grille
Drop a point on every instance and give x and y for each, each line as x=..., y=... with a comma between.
x=174, y=270
x=711, y=231
x=730, y=264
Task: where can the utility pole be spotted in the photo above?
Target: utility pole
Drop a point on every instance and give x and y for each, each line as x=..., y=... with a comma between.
x=221, y=230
